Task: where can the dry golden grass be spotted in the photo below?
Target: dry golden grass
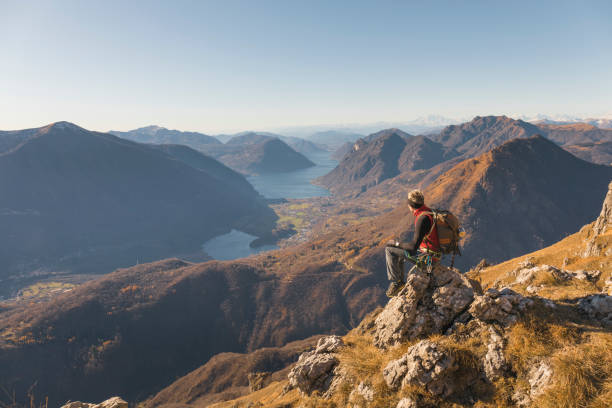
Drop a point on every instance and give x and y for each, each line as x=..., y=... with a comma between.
x=582, y=375
x=563, y=255
x=270, y=397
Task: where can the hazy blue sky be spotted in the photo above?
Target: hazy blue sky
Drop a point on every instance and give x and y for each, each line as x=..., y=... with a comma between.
x=234, y=65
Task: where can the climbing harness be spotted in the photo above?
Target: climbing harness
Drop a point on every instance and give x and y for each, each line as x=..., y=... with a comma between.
x=425, y=260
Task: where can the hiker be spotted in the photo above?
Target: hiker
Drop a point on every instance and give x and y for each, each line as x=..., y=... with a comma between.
x=425, y=240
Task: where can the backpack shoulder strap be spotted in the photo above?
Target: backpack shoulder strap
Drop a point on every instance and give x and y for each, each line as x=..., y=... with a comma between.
x=433, y=223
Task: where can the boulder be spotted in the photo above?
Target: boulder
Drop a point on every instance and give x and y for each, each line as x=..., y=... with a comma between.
x=501, y=307
x=329, y=344
x=428, y=304
x=114, y=402
x=426, y=364
x=314, y=370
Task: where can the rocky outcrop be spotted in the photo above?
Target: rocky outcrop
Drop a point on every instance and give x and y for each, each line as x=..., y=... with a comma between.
x=503, y=307
x=428, y=304
x=495, y=364
x=597, y=307
x=314, y=370
x=524, y=275
x=605, y=217
x=114, y=402
x=603, y=222
x=425, y=364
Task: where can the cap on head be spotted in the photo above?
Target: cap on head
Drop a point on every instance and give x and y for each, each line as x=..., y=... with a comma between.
x=416, y=198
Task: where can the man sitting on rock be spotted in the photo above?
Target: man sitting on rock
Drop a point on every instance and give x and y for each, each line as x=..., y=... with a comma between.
x=425, y=240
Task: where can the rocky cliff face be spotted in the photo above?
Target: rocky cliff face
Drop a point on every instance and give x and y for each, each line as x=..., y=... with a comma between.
x=595, y=246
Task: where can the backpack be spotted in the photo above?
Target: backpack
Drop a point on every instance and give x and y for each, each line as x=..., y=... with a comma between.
x=449, y=232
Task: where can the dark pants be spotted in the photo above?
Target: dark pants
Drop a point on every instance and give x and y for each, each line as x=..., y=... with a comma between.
x=395, y=259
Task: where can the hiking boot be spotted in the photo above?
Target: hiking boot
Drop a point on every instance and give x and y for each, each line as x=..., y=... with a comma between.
x=394, y=288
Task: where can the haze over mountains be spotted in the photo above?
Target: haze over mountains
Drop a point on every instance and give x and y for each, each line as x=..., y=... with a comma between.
x=247, y=152
x=454, y=143
x=75, y=200
x=384, y=155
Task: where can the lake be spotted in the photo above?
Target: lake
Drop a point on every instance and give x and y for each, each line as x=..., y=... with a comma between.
x=295, y=184
x=233, y=245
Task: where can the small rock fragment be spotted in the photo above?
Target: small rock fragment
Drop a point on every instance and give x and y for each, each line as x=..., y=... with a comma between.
x=407, y=403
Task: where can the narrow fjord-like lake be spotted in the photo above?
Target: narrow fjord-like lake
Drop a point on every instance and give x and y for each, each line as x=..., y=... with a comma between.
x=295, y=184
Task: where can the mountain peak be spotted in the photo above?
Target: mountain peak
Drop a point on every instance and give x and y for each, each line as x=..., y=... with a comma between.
x=63, y=125
x=387, y=133
x=484, y=133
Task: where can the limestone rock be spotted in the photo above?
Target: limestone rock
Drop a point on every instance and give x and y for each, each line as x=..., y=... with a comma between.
x=540, y=377
x=607, y=289
x=598, y=307
x=605, y=217
x=426, y=305
x=525, y=275
x=314, y=370
x=502, y=306
x=495, y=364
x=586, y=275
x=114, y=402
x=603, y=222
x=528, y=262
x=329, y=344
x=425, y=364
x=407, y=403
x=364, y=391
